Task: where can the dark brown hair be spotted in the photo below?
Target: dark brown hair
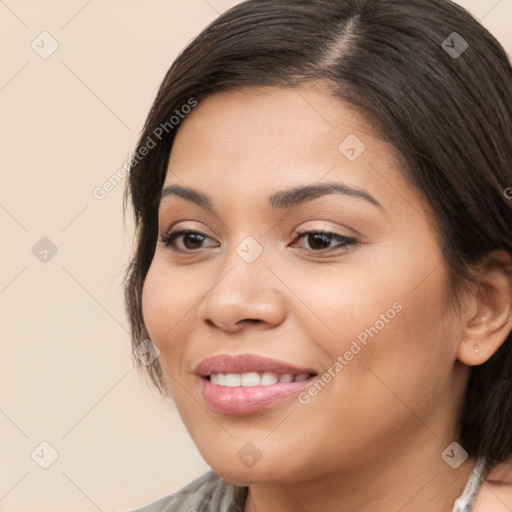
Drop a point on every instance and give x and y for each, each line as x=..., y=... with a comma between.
x=435, y=84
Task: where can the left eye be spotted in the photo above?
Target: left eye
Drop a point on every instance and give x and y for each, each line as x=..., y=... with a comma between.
x=324, y=238
x=318, y=240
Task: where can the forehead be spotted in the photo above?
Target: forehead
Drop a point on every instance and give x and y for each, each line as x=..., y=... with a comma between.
x=277, y=115
x=270, y=129
x=256, y=140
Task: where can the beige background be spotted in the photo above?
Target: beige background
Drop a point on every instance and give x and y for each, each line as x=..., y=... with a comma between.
x=68, y=122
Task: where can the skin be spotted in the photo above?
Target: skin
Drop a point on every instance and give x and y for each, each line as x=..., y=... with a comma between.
x=496, y=492
x=372, y=438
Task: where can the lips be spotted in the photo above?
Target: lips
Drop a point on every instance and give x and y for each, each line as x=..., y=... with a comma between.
x=247, y=383
x=247, y=363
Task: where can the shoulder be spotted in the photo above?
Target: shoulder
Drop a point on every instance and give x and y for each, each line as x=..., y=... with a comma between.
x=208, y=493
x=496, y=492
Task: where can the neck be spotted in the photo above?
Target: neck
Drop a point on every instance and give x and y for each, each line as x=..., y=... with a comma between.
x=398, y=482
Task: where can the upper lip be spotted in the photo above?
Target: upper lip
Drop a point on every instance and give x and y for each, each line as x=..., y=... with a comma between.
x=244, y=363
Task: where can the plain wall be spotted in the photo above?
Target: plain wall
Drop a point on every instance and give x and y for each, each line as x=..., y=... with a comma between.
x=68, y=123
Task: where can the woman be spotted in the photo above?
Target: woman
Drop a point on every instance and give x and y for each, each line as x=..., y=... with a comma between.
x=323, y=257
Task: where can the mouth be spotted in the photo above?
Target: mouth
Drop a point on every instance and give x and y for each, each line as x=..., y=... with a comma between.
x=251, y=379
x=246, y=384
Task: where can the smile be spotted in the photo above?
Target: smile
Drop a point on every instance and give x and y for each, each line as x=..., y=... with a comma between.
x=254, y=379
x=247, y=383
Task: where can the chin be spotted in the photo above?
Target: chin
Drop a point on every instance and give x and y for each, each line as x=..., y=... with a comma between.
x=245, y=476
x=262, y=472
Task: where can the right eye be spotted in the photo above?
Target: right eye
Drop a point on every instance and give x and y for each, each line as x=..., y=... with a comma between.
x=190, y=239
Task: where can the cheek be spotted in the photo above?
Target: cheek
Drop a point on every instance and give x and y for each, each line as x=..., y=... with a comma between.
x=170, y=297
x=384, y=316
x=160, y=307
x=410, y=348
x=344, y=304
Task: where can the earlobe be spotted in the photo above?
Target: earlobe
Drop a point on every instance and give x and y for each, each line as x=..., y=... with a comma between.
x=473, y=355
x=490, y=320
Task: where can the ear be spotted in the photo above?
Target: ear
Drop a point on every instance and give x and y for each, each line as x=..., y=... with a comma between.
x=489, y=315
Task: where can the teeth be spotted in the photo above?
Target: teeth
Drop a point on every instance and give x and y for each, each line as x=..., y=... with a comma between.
x=267, y=379
x=250, y=379
x=232, y=380
x=254, y=379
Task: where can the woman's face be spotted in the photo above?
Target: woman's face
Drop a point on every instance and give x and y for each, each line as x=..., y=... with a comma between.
x=363, y=306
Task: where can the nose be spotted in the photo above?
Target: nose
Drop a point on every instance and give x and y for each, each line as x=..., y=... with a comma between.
x=244, y=294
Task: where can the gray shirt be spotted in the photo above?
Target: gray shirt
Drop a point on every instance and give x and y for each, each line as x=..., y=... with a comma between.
x=209, y=493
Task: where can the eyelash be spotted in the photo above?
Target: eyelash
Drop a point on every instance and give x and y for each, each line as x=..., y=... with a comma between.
x=168, y=239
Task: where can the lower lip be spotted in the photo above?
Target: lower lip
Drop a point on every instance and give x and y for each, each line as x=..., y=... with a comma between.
x=248, y=399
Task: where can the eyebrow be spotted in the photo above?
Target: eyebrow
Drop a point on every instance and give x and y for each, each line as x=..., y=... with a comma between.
x=282, y=199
